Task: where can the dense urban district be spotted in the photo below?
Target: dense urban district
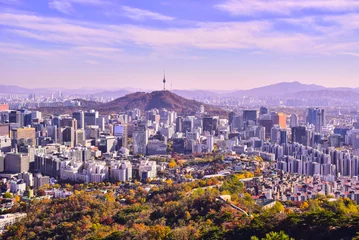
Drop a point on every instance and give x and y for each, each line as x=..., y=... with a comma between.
x=160, y=166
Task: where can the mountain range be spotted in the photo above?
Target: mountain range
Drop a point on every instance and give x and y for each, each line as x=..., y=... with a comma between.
x=279, y=89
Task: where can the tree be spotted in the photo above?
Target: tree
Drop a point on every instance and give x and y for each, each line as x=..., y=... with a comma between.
x=7, y=195
x=172, y=164
x=41, y=192
x=274, y=236
x=158, y=232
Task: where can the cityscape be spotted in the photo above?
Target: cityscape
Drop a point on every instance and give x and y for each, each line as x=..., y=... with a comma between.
x=130, y=120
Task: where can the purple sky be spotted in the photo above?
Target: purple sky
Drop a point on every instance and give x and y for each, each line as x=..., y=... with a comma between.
x=202, y=44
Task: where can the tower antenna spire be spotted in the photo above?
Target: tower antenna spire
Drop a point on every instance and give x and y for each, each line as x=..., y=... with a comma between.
x=164, y=80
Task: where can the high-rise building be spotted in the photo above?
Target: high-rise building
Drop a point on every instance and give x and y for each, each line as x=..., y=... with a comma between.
x=299, y=135
x=263, y=110
x=266, y=122
x=210, y=143
x=25, y=134
x=80, y=117
x=120, y=131
x=179, y=121
x=279, y=119
x=107, y=144
x=178, y=145
x=250, y=115
x=90, y=117
x=230, y=117
x=80, y=137
x=68, y=122
x=140, y=140
x=187, y=125
x=294, y=120
x=66, y=136
x=210, y=124
x=275, y=134
x=316, y=117
x=283, y=136
x=17, y=163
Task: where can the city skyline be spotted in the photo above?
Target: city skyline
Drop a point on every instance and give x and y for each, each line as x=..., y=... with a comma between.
x=213, y=45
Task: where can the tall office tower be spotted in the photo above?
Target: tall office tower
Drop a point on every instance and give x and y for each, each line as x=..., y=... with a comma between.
x=140, y=140
x=27, y=118
x=107, y=144
x=266, y=122
x=80, y=137
x=153, y=116
x=187, y=125
x=279, y=119
x=16, y=163
x=261, y=132
x=283, y=137
x=27, y=135
x=80, y=117
x=230, y=117
x=90, y=118
x=250, y=115
x=316, y=117
x=36, y=115
x=263, y=110
x=210, y=143
x=299, y=135
x=201, y=109
x=100, y=122
x=237, y=123
x=120, y=131
x=275, y=134
x=68, y=122
x=294, y=120
x=135, y=114
x=164, y=118
x=210, y=124
x=66, y=136
x=17, y=118
x=179, y=121
x=52, y=132
x=354, y=138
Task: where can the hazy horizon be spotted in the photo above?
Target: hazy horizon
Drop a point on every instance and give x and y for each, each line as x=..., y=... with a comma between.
x=211, y=45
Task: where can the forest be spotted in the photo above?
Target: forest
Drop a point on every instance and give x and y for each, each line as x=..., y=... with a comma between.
x=182, y=211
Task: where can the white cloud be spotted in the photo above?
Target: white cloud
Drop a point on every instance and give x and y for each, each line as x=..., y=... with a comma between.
x=285, y=7
x=140, y=14
x=104, y=41
x=61, y=6
x=354, y=54
x=92, y=62
x=66, y=6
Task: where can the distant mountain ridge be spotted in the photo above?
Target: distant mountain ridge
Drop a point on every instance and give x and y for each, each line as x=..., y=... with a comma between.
x=278, y=89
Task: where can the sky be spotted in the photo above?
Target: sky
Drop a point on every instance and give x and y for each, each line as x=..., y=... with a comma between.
x=201, y=44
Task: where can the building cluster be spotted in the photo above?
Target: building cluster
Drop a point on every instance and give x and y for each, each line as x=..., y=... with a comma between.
x=86, y=146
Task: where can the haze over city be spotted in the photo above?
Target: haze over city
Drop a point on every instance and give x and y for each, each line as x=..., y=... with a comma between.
x=202, y=44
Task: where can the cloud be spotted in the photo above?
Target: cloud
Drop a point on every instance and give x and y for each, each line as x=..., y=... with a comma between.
x=61, y=6
x=350, y=54
x=92, y=62
x=285, y=7
x=106, y=41
x=66, y=6
x=141, y=15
